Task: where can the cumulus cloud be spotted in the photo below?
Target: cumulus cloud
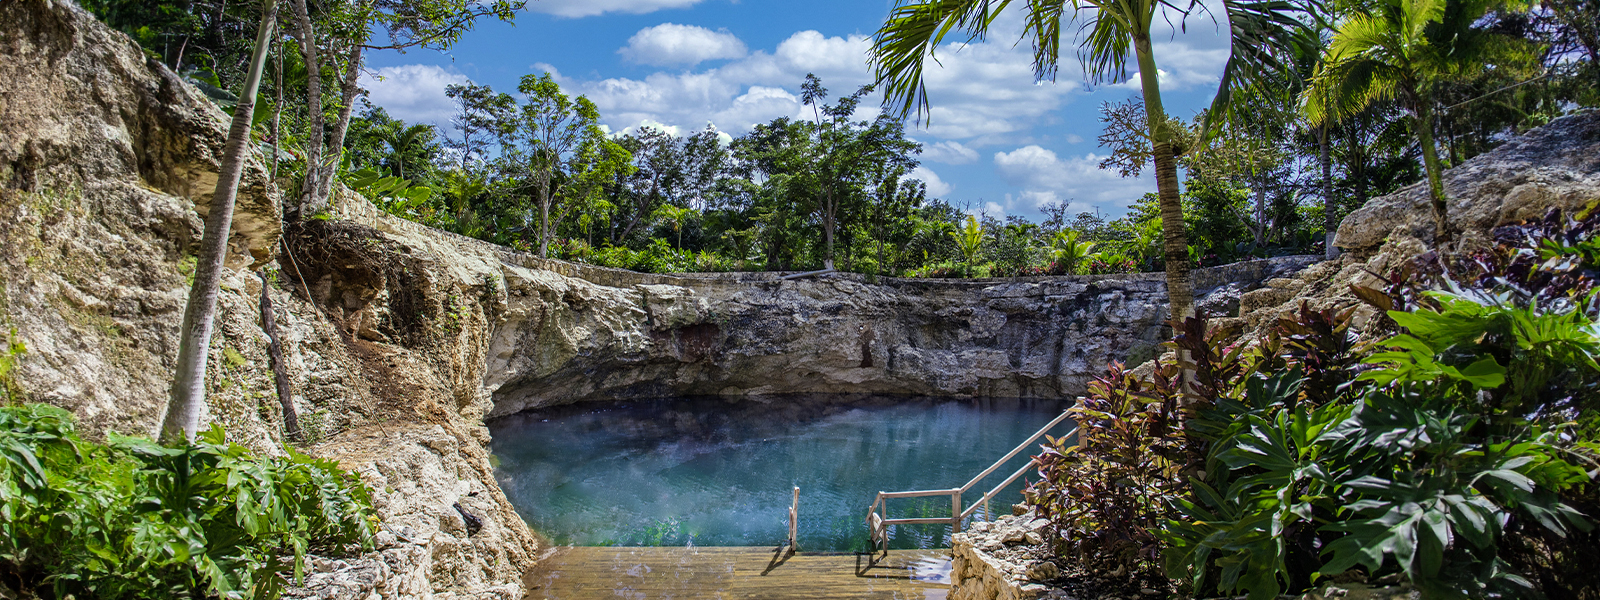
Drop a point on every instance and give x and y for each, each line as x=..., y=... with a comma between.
x=413, y=92
x=672, y=44
x=589, y=8
x=949, y=152
x=937, y=188
x=1046, y=177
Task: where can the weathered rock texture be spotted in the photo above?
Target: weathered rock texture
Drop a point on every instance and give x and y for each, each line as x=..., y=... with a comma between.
x=1003, y=560
x=107, y=162
x=569, y=333
x=1554, y=166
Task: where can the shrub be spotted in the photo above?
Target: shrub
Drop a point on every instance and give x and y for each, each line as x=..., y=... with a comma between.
x=134, y=519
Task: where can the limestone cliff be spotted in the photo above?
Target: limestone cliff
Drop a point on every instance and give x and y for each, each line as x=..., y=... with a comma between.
x=107, y=162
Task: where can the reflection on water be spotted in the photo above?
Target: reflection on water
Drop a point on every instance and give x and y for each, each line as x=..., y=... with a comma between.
x=714, y=472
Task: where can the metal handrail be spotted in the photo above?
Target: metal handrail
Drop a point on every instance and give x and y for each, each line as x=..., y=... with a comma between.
x=878, y=523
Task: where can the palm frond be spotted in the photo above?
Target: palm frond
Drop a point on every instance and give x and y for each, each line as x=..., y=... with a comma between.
x=908, y=38
x=1264, y=38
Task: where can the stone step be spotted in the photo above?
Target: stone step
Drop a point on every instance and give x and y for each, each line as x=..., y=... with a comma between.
x=576, y=573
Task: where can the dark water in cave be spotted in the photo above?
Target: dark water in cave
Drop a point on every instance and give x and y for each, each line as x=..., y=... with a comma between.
x=714, y=472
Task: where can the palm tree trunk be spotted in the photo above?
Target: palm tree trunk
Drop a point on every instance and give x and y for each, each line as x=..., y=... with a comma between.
x=1180, y=291
x=1329, y=223
x=1423, y=121
x=188, y=392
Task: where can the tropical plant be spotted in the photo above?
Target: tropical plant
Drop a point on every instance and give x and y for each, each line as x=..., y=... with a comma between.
x=1114, y=29
x=133, y=519
x=677, y=217
x=1068, y=251
x=969, y=239
x=1402, y=49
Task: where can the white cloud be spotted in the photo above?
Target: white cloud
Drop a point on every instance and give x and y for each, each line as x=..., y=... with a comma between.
x=937, y=188
x=949, y=152
x=414, y=93
x=672, y=44
x=1073, y=138
x=589, y=8
x=1045, y=177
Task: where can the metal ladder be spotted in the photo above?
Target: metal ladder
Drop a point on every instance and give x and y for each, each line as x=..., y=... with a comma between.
x=878, y=520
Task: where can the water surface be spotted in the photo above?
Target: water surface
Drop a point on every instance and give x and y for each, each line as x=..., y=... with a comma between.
x=715, y=472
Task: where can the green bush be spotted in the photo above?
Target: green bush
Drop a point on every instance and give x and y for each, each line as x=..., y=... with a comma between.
x=134, y=519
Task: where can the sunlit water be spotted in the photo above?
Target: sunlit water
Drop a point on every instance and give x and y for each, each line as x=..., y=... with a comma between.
x=712, y=472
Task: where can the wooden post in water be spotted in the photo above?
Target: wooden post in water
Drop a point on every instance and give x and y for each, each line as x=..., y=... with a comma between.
x=794, y=519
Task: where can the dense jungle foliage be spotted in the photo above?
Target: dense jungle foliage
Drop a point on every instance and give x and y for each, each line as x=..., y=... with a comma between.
x=534, y=170
x=130, y=518
x=1452, y=442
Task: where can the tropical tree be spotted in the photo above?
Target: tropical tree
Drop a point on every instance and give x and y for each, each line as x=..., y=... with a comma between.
x=677, y=217
x=188, y=394
x=969, y=239
x=1402, y=49
x=540, y=149
x=347, y=31
x=1113, y=29
x=1067, y=250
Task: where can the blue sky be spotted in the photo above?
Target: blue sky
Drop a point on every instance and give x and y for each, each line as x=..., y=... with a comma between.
x=997, y=141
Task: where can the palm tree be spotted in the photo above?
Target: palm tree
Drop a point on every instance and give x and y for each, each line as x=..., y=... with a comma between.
x=1112, y=29
x=409, y=145
x=969, y=239
x=677, y=216
x=1069, y=251
x=1400, y=49
x=188, y=393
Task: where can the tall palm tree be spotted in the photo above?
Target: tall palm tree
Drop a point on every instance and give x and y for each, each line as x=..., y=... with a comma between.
x=1110, y=31
x=188, y=393
x=1401, y=49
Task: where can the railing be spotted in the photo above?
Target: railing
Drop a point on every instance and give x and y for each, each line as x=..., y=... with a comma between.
x=878, y=524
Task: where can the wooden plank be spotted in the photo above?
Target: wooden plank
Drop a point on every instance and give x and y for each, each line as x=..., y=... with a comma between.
x=745, y=572
x=917, y=494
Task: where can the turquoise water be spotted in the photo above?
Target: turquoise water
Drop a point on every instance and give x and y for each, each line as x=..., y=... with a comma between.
x=713, y=472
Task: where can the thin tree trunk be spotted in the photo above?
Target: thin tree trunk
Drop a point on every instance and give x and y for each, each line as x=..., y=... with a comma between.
x=335, y=146
x=188, y=392
x=277, y=107
x=1180, y=290
x=1430, y=161
x=827, y=232
x=307, y=37
x=1329, y=223
x=280, y=372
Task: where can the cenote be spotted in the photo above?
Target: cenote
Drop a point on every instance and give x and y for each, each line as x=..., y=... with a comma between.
x=718, y=472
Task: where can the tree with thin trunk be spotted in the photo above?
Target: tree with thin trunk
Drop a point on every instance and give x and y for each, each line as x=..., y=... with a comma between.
x=1111, y=31
x=188, y=392
x=348, y=29
x=541, y=149
x=1402, y=49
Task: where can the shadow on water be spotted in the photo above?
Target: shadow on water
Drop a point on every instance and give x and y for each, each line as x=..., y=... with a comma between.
x=717, y=472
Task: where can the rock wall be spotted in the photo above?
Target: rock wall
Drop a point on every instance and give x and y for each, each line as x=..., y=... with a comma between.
x=107, y=162
x=1556, y=166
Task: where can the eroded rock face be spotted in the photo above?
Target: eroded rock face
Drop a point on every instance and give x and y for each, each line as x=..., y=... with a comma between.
x=107, y=162
x=1554, y=166
x=1557, y=165
x=603, y=335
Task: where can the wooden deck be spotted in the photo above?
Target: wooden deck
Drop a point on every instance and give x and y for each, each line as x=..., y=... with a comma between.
x=574, y=573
